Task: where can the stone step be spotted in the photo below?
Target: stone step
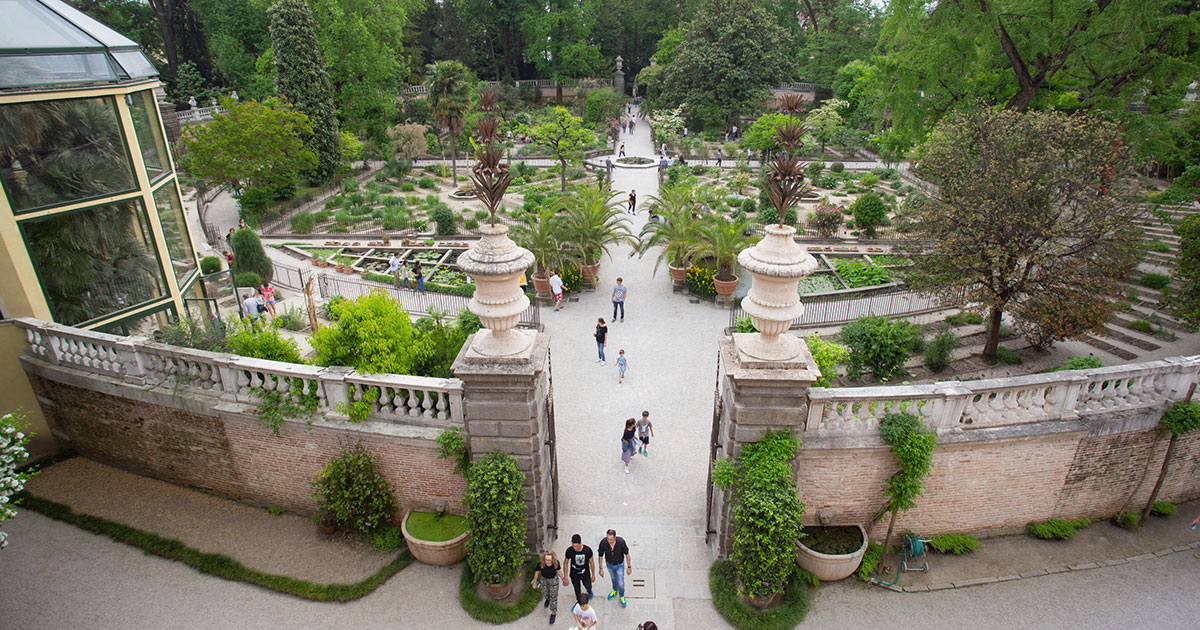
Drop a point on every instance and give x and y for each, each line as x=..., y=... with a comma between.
x=1121, y=353
x=1134, y=314
x=1159, y=316
x=1133, y=338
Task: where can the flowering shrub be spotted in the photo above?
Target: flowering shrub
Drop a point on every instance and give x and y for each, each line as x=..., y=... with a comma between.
x=826, y=219
x=700, y=282
x=572, y=278
x=12, y=453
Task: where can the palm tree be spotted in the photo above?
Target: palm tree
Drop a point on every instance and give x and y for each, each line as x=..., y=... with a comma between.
x=449, y=92
x=592, y=222
x=676, y=206
x=540, y=234
x=722, y=240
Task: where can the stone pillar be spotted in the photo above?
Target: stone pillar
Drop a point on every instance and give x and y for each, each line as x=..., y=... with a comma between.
x=619, y=78
x=765, y=375
x=504, y=409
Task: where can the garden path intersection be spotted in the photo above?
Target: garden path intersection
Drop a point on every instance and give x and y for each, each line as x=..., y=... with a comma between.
x=57, y=576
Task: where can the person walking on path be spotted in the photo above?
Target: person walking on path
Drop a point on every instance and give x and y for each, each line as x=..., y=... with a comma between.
x=601, y=338
x=622, y=365
x=615, y=553
x=718, y=158
x=633, y=202
x=664, y=148
x=618, y=299
x=628, y=448
x=556, y=288
x=585, y=615
x=647, y=625
x=418, y=276
x=608, y=167
x=581, y=566
x=550, y=571
x=621, y=151
x=645, y=431
x=405, y=281
x=268, y=293
x=734, y=129
x=394, y=270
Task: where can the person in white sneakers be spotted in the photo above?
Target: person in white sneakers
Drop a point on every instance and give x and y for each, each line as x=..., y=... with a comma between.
x=556, y=287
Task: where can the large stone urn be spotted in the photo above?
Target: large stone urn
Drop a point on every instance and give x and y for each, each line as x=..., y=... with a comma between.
x=439, y=554
x=831, y=567
x=496, y=263
x=777, y=263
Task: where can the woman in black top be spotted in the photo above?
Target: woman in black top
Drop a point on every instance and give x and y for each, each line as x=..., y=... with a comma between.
x=417, y=277
x=627, y=447
x=549, y=572
x=601, y=337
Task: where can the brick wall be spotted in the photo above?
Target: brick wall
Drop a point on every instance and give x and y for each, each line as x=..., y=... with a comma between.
x=996, y=486
x=233, y=455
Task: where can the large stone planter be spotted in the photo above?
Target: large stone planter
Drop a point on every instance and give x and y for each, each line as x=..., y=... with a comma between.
x=541, y=284
x=678, y=274
x=831, y=567
x=438, y=554
x=589, y=272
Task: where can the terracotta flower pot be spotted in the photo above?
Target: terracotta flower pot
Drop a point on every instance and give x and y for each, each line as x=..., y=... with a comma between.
x=678, y=274
x=499, y=591
x=725, y=287
x=541, y=284
x=590, y=272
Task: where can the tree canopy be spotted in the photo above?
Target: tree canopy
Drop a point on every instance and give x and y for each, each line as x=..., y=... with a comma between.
x=1031, y=215
x=730, y=56
x=304, y=82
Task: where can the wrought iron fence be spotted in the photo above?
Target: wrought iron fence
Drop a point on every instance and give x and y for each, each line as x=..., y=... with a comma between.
x=837, y=310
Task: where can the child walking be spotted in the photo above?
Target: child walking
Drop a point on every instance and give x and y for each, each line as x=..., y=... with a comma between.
x=645, y=431
x=627, y=448
x=622, y=365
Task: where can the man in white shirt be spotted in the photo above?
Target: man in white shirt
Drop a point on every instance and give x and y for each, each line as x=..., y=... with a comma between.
x=556, y=287
x=250, y=309
x=394, y=270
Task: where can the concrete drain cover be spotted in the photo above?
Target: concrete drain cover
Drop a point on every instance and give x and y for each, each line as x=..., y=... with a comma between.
x=694, y=301
x=572, y=299
x=640, y=585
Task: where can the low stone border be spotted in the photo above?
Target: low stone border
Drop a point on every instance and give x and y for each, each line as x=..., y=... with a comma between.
x=943, y=586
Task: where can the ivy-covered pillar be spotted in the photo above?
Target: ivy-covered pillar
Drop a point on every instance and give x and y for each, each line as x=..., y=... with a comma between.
x=505, y=409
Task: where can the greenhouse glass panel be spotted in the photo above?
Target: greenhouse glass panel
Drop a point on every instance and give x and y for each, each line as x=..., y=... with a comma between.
x=94, y=262
x=144, y=111
x=59, y=152
x=174, y=227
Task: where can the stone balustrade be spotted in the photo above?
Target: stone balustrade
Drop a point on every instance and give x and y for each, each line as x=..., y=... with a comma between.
x=950, y=406
x=402, y=399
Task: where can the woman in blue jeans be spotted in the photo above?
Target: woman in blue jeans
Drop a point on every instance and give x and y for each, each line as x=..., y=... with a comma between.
x=601, y=338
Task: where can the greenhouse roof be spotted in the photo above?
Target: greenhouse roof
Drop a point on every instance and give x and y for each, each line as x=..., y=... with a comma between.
x=48, y=42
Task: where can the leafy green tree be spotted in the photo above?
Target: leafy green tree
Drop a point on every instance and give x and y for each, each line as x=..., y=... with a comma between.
x=728, y=60
x=1032, y=214
x=826, y=121
x=557, y=41
x=1022, y=54
x=251, y=147
x=361, y=41
x=1179, y=420
x=1186, y=303
x=869, y=212
x=449, y=94
x=238, y=34
x=496, y=518
x=564, y=135
x=763, y=133
x=248, y=255
x=913, y=447
x=303, y=81
x=841, y=31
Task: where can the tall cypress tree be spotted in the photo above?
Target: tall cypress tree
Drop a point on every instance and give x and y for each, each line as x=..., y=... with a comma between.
x=303, y=81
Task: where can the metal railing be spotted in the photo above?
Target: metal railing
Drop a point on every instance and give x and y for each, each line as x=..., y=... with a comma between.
x=835, y=309
x=283, y=220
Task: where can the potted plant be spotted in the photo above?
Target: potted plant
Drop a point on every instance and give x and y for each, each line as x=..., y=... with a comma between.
x=832, y=553
x=435, y=538
x=592, y=222
x=496, y=518
x=675, y=231
x=722, y=240
x=540, y=235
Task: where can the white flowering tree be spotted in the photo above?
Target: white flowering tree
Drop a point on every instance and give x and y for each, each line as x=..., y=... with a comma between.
x=12, y=454
x=668, y=124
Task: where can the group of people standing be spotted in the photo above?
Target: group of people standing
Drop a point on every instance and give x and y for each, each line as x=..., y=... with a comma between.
x=580, y=570
x=403, y=277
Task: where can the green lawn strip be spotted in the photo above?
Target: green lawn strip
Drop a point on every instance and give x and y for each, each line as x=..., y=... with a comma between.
x=722, y=582
x=216, y=564
x=434, y=527
x=495, y=612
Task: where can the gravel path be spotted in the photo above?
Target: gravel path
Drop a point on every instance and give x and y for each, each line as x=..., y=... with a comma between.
x=287, y=544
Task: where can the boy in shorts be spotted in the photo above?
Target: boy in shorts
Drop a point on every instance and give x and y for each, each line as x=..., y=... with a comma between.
x=556, y=287
x=622, y=365
x=645, y=430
